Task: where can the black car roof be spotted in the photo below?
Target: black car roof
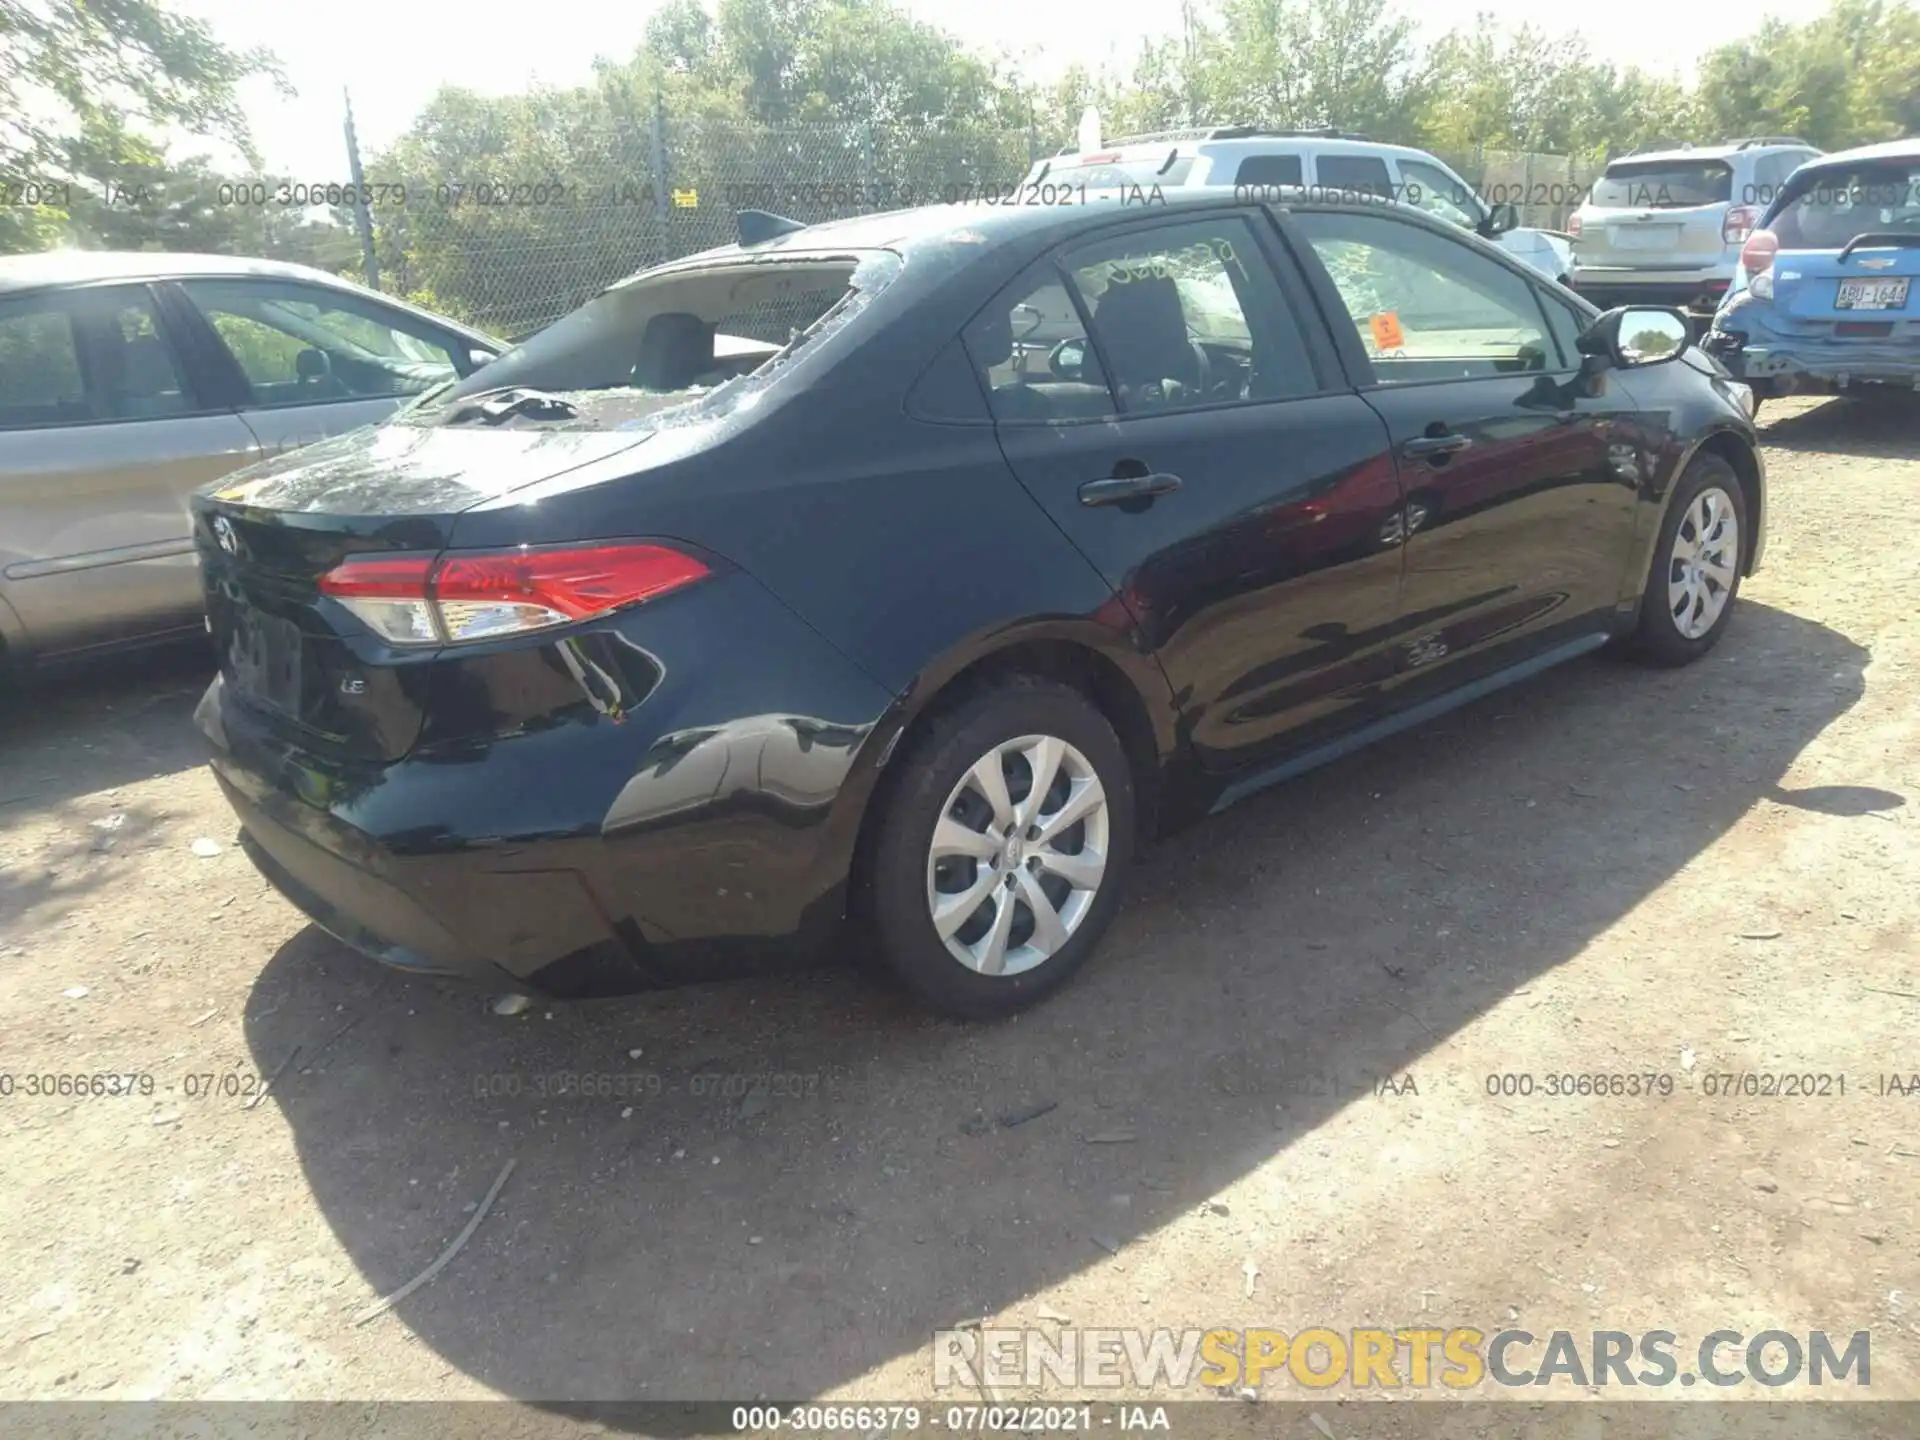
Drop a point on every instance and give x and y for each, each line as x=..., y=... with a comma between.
x=977, y=222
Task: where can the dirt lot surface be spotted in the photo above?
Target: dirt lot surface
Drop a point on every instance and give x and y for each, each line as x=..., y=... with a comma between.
x=1609, y=870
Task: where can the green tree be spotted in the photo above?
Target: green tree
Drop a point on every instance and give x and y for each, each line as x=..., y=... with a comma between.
x=1488, y=88
x=1850, y=77
x=72, y=73
x=1348, y=64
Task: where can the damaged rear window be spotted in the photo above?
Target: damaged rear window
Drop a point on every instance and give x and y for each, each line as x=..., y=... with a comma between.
x=668, y=348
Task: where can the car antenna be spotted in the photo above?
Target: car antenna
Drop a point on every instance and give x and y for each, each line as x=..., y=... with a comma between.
x=759, y=226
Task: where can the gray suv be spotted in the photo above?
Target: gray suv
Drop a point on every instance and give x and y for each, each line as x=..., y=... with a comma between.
x=1665, y=228
x=127, y=381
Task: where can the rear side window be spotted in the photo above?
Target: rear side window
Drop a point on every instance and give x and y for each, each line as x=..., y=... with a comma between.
x=40, y=382
x=1354, y=175
x=1268, y=170
x=1664, y=184
x=135, y=373
x=1030, y=352
x=1191, y=314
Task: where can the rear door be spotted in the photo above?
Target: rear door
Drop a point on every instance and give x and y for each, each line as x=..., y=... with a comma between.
x=1661, y=215
x=105, y=432
x=310, y=361
x=1518, y=519
x=1348, y=175
x=1194, y=439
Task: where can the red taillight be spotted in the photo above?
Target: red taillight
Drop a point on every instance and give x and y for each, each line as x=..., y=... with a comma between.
x=1573, y=226
x=1757, y=254
x=1738, y=224
x=483, y=595
x=389, y=575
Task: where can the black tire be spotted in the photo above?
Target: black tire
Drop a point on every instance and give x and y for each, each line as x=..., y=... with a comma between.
x=936, y=763
x=1658, y=639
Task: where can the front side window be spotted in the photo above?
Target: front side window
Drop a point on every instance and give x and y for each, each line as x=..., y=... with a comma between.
x=1191, y=314
x=1425, y=306
x=301, y=344
x=1433, y=190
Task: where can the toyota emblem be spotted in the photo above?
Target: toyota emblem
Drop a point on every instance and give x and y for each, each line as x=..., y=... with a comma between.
x=223, y=532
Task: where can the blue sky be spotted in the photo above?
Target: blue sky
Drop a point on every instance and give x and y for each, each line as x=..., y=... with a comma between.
x=395, y=53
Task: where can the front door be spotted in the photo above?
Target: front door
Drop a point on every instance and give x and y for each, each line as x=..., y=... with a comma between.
x=1157, y=394
x=315, y=361
x=1519, y=516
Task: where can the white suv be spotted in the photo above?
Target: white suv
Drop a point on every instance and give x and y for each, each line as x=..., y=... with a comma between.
x=1322, y=161
x=1665, y=228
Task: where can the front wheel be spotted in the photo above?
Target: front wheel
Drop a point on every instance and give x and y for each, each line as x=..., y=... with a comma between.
x=1003, y=850
x=1696, y=566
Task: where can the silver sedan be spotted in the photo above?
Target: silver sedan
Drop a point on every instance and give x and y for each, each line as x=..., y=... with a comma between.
x=127, y=381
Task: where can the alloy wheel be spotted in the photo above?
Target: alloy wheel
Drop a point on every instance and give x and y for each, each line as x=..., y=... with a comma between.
x=1703, y=564
x=1018, y=855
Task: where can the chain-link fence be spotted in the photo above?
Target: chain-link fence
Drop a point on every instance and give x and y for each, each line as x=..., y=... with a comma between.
x=512, y=252
x=1544, y=189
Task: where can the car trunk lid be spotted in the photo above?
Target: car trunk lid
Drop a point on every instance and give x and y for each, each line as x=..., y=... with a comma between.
x=266, y=537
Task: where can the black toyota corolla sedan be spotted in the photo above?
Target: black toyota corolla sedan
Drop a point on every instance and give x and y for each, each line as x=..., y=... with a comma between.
x=906, y=571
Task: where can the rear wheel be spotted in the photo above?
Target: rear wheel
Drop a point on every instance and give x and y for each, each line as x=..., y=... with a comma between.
x=1696, y=566
x=1003, y=850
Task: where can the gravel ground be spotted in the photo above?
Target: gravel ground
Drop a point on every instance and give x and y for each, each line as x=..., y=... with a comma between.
x=1608, y=870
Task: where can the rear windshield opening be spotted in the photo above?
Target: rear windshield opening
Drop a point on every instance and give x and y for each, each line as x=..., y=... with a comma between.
x=1664, y=184
x=652, y=344
x=1824, y=209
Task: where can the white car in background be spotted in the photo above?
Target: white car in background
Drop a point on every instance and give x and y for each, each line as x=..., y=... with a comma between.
x=1321, y=161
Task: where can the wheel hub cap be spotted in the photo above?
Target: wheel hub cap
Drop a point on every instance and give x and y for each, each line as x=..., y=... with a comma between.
x=1702, y=568
x=1017, y=855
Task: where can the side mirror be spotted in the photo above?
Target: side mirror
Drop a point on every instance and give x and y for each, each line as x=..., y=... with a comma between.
x=1068, y=360
x=1631, y=336
x=477, y=358
x=1500, y=219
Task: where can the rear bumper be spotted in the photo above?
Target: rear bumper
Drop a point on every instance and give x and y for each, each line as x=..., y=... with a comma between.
x=428, y=910
x=1782, y=366
x=663, y=825
x=1698, y=295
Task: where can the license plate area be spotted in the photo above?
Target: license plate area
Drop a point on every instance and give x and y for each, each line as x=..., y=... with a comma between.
x=1889, y=294
x=264, y=658
x=1646, y=237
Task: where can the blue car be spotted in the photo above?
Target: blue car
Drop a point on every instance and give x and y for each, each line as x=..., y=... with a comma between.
x=1822, y=301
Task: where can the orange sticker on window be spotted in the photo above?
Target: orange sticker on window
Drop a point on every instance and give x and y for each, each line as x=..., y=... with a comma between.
x=1386, y=331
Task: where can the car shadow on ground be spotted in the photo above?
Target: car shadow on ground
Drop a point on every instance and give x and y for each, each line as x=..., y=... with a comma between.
x=686, y=1236
x=148, y=694
x=1883, y=429
x=87, y=731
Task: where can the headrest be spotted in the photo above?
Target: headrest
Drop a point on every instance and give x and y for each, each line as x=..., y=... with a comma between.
x=675, y=350
x=990, y=338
